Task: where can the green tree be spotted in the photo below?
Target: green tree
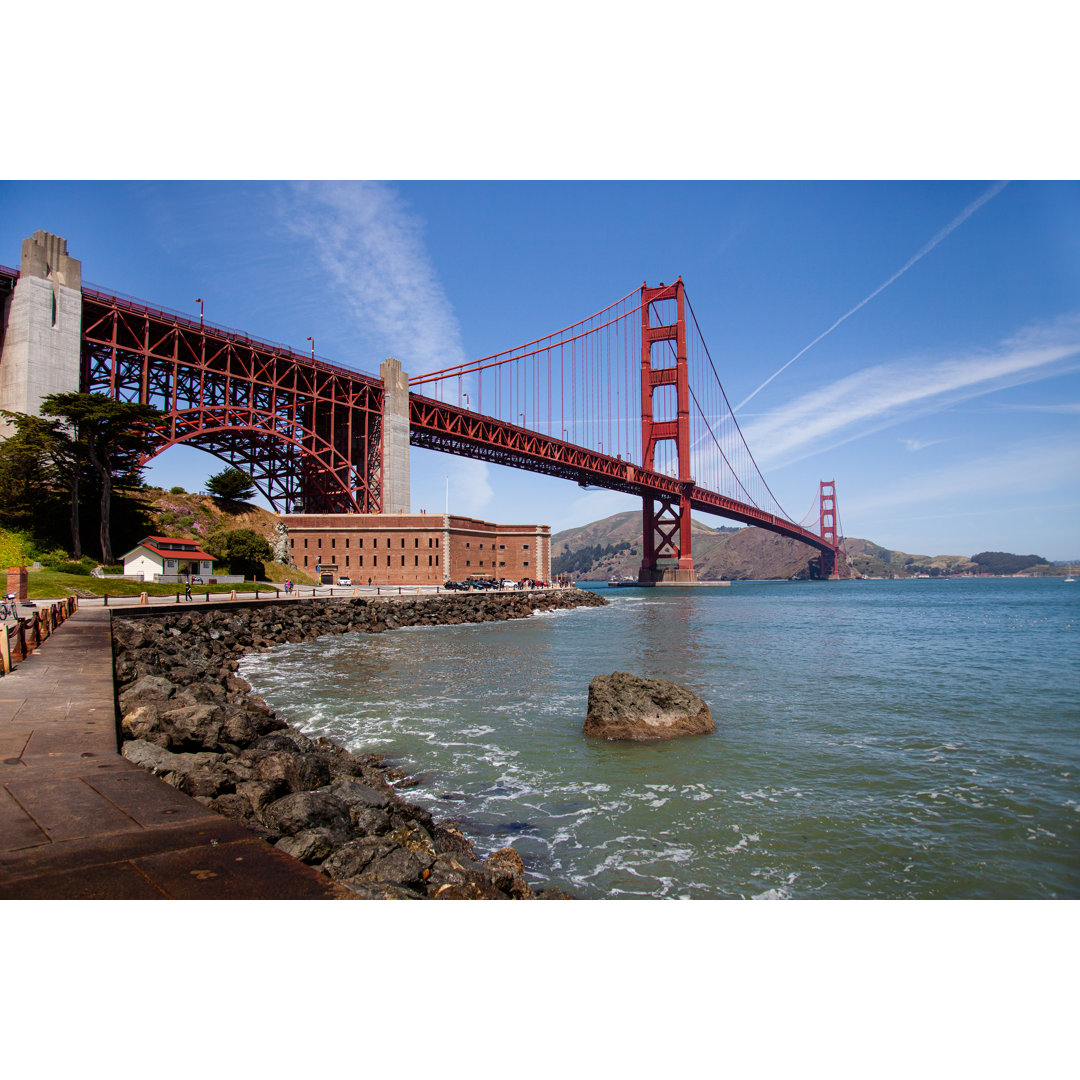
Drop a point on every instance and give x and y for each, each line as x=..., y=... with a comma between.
x=233, y=485
x=246, y=551
x=116, y=437
x=39, y=456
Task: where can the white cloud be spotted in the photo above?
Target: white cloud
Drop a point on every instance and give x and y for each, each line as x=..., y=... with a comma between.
x=915, y=445
x=371, y=244
x=884, y=395
x=470, y=485
x=1025, y=469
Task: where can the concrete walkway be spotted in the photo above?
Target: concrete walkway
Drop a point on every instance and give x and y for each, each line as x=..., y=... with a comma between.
x=78, y=821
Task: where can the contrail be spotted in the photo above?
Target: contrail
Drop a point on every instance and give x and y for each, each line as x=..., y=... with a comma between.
x=956, y=222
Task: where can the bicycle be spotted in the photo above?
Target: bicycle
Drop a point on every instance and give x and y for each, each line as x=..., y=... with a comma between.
x=9, y=608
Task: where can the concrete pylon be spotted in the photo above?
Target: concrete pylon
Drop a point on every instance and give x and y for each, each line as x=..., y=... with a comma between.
x=395, y=438
x=42, y=327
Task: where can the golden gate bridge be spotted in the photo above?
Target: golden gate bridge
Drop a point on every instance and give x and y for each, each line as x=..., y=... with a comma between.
x=627, y=399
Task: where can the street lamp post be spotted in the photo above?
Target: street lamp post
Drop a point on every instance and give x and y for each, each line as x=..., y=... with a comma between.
x=312, y=340
x=198, y=300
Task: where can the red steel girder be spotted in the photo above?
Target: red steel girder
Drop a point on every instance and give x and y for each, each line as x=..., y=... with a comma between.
x=234, y=396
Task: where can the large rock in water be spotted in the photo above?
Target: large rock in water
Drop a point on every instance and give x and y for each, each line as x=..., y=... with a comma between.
x=625, y=706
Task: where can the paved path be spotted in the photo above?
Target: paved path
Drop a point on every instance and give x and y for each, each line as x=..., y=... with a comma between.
x=79, y=821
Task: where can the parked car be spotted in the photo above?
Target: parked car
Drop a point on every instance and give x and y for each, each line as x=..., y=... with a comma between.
x=344, y=580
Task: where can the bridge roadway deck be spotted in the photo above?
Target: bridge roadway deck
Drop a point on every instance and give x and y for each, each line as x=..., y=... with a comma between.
x=78, y=821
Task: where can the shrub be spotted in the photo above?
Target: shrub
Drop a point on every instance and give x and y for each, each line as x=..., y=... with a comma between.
x=76, y=568
x=53, y=560
x=177, y=491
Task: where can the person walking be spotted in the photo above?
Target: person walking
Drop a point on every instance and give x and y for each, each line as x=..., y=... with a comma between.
x=187, y=589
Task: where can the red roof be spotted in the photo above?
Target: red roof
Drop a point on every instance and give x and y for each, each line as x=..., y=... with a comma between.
x=184, y=551
x=172, y=540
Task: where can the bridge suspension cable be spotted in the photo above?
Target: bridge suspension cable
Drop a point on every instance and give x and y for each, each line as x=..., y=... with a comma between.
x=581, y=388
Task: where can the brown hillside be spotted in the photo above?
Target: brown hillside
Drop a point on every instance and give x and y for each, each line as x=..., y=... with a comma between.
x=198, y=516
x=733, y=554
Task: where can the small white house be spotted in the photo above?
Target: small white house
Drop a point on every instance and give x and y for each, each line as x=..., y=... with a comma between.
x=159, y=557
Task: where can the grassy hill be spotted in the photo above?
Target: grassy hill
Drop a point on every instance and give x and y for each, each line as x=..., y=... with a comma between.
x=201, y=517
x=157, y=513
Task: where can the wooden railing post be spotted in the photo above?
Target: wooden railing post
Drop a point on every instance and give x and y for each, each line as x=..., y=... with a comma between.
x=5, y=650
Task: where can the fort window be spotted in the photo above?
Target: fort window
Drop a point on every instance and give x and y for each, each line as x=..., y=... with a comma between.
x=524, y=547
x=416, y=560
x=403, y=560
x=360, y=560
x=346, y=560
x=525, y=563
x=320, y=543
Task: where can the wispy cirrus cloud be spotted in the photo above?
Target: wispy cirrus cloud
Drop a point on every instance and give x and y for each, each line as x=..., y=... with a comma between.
x=915, y=445
x=371, y=243
x=886, y=394
x=1027, y=468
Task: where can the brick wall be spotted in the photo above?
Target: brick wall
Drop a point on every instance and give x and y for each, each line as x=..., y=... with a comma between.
x=410, y=549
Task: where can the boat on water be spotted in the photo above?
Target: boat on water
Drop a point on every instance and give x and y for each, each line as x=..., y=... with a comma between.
x=1069, y=575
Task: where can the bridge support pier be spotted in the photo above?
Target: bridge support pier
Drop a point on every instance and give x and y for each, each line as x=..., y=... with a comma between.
x=42, y=327
x=395, y=438
x=666, y=554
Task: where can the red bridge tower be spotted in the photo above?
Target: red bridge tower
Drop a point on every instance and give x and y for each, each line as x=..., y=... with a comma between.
x=829, y=528
x=667, y=554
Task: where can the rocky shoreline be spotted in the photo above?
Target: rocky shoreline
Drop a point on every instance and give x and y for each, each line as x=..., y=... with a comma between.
x=189, y=718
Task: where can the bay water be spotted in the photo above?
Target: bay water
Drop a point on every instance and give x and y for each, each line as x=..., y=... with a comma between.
x=913, y=739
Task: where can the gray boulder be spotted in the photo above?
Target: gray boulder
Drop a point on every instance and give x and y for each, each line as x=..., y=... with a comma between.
x=307, y=810
x=623, y=706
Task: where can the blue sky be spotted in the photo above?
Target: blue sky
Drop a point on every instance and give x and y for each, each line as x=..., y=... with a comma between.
x=946, y=404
